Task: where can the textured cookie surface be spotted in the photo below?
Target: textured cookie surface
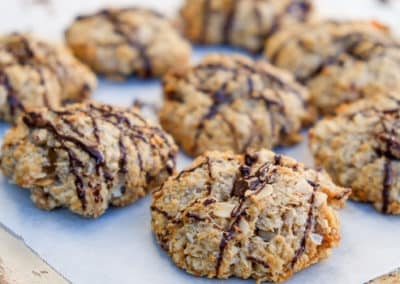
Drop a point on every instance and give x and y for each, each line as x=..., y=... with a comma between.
x=340, y=62
x=35, y=73
x=390, y=278
x=360, y=148
x=258, y=215
x=243, y=23
x=86, y=157
x=230, y=102
x=123, y=42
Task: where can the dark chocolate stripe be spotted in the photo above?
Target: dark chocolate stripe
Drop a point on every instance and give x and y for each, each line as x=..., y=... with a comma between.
x=229, y=22
x=242, y=183
x=206, y=15
x=162, y=212
x=44, y=86
x=13, y=101
x=308, y=226
x=119, y=28
x=387, y=184
x=258, y=261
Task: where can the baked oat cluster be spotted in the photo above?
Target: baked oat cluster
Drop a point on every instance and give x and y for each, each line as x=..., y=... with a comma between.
x=35, y=73
x=230, y=102
x=122, y=42
x=259, y=215
x=242, y=23
x=360, y=148
x=86, y=157
x=339, y=62
x=390, y=278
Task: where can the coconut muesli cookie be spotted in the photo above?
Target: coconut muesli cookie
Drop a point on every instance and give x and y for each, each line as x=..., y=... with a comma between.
x=35, y=73
x=86, y=157
x=339, y=62
x=259, y=215
x=360, y=148
x=230, y=102
x=243, y=23
x=122, y=42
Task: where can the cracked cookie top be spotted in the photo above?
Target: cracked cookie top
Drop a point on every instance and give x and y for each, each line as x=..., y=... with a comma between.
x=259, y=215
x=35, y=73
x=339, y=61
x=360, y=148
x=243, y=23
x=132, y=41
x=230, y=102
x=86, y=157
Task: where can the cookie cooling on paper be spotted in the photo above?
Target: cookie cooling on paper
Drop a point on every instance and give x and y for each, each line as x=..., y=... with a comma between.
x=259, y=215
x=360, y=148
x=339, y=61
x=86, y=157
x=123, y=42
x=231, y=102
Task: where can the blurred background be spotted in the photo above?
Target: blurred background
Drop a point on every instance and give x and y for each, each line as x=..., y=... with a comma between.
x=50, y=17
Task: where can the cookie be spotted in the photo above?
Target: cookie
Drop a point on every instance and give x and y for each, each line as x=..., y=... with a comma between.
x=85, y=157
x=259, y=215
x=339, y=62
x=122, y=42
x=360, y=148
x=390, y=278
x=230, y=102
x=35, y=73
x=242, y=23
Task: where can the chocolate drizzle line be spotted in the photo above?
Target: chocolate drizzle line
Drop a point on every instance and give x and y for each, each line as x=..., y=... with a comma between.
x=258, y=261
x=244, y=182
x=206, y=15
x=391, y=146
x=13, y=101
x=308, y=226
x=127, y=33
x=43, y=84
x=230, y=20
x=387, y=183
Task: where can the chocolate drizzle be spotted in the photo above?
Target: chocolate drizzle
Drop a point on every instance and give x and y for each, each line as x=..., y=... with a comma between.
x=13, y=101
x=390, y=151
x=258, y=261
x=229, y=22
x=206, y=15
x=308, y=226
x=387, y=183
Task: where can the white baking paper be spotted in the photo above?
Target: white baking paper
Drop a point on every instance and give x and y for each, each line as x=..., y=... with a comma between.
x=119, y=247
